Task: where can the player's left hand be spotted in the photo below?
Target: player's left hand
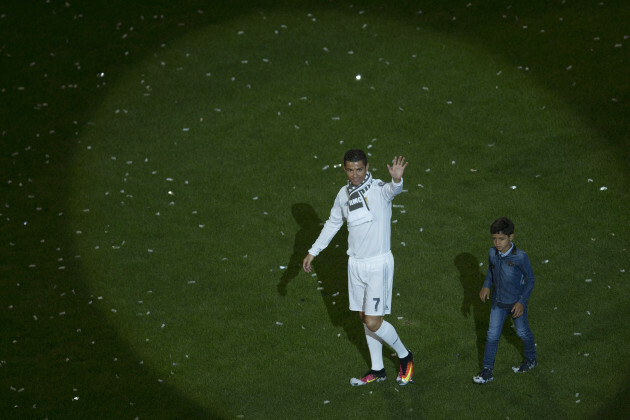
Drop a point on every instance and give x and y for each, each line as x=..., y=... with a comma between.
x=398, y=168
x=517, y=310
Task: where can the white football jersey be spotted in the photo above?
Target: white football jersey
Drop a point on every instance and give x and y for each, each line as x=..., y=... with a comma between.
x=369, y=239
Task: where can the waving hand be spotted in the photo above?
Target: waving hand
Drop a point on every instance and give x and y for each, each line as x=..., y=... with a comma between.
x=397, y=168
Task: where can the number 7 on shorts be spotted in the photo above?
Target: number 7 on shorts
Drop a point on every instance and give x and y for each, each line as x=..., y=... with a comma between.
x=377, y=300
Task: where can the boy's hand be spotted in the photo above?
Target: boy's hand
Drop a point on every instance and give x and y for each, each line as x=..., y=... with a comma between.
x=517, y=310
x=484, y=294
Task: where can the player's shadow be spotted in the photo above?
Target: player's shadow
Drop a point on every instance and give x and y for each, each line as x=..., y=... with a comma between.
x=310, y=225
x=331, y=268
x=472, y=280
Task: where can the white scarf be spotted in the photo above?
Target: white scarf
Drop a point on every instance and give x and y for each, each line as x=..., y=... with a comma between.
x=358, y=209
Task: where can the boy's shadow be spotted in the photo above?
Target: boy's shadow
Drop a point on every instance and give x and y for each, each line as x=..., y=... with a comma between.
x=331, y=267
x=472, y=281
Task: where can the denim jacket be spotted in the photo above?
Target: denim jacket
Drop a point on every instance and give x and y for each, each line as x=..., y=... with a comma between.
x=511, y=276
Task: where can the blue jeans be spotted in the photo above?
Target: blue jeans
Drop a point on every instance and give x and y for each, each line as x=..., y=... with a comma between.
x=497, y=319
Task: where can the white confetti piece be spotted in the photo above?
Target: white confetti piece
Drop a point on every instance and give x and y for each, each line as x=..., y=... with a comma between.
x=603, y=188
x=513, y=187
x=588, y=280
x=279, y=323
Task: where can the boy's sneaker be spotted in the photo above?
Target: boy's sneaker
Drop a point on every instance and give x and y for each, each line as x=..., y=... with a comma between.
x=484, y=376
x=371, y=376
x=406, y=370
x=527, y=365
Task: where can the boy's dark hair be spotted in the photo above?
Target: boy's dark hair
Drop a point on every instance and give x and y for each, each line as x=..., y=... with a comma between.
x=355, y=155
x=502, y=225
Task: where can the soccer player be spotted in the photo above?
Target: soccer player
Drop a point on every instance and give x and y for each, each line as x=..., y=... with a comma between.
x=365, y=204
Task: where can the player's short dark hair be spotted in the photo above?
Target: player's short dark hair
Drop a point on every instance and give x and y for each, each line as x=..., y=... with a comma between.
x=355, y=155
x=502, y=225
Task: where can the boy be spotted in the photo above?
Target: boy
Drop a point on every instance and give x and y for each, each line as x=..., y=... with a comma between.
x=365, y=204
x=510, y=275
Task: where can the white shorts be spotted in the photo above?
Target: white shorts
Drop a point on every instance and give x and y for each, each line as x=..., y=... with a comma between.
x=370, y=284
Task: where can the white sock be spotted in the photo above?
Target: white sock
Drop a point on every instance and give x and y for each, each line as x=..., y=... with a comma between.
x=388, y=334
x=375, y=345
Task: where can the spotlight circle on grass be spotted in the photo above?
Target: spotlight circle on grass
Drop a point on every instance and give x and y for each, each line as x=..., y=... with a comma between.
x=187, y=173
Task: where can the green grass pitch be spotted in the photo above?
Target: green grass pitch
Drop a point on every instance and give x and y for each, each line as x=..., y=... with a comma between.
x=167, y=165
